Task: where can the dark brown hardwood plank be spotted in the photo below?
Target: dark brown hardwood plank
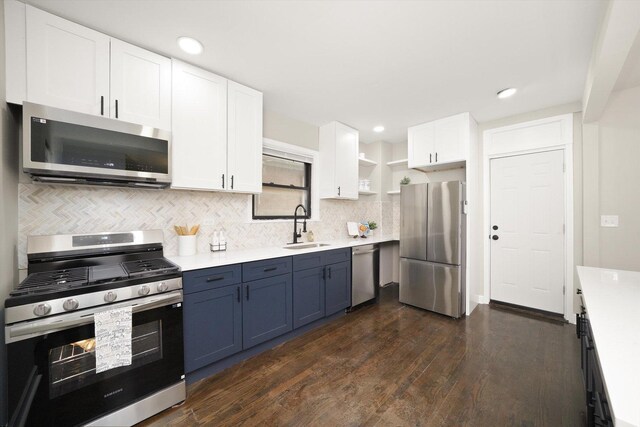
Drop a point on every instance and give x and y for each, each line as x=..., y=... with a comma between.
x=390, y=364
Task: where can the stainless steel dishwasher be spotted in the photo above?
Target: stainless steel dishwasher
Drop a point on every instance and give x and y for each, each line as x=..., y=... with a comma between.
x=365, y=271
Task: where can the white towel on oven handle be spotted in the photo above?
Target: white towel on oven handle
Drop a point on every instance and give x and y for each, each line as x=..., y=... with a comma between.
x=113, y=338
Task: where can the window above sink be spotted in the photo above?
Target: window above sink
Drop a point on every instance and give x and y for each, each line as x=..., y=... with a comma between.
x=289, y=179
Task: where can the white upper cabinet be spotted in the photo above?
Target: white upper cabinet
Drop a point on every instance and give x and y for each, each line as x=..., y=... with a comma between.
x=67, y=64
x=140, y=86
x=244, y=138
x=440, y=144
x=338, y=161
x=420, y=145
x=75, y=68
x=217, y=132
x=199, y=155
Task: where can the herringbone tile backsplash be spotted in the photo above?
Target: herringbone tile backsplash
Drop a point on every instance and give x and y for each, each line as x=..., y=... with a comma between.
x=46, y=209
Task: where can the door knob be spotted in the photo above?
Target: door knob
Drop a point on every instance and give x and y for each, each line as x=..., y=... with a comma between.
x=495, y=227
x=494, y=237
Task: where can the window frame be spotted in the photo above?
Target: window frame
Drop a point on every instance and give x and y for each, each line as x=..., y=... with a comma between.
x=293, y=152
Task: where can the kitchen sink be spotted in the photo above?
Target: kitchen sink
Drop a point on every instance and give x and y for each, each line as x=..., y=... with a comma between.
x=306, y=245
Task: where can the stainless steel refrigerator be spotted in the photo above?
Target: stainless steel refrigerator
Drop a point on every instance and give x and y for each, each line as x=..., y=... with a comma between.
x=433, y=247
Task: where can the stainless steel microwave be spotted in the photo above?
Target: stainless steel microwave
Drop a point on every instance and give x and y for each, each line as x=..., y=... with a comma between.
x=61, y=146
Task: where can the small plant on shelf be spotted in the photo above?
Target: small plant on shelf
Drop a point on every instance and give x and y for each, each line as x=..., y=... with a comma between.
x=372, y=225
x=405, y=181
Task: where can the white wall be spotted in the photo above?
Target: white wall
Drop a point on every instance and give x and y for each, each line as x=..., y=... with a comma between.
x=292, y=131
x=8, y=210
x=612, y=174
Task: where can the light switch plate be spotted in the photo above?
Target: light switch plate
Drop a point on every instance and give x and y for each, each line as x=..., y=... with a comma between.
x=608, y=220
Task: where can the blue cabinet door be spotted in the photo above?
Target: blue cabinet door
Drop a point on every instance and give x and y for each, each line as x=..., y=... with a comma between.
x=337, y=287
x=267, y=309
x=308, y=296
x=212, y=326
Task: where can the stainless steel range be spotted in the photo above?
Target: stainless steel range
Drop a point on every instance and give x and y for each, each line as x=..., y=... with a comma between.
x=51, y=339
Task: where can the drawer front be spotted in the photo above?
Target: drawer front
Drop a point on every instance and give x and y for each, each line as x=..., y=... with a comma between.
x=337, y=255
x=211, y=278
x=306, y=261
x=267, y=268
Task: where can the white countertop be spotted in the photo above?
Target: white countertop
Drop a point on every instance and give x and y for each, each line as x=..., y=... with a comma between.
x=611, y=298
x=231, y=256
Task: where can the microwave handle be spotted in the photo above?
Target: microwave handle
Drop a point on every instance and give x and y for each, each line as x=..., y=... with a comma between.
x=84, y=317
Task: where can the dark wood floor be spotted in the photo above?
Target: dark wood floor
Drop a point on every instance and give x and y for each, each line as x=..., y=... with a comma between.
x=392, y=365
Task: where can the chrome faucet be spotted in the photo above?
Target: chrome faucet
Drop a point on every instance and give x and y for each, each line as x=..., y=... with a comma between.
x=296, y=233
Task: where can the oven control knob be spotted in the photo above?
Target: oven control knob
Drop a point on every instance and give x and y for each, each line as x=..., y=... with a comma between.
x=110, y=296
x=70, y=304
x=144, y=290
x=162, y=287
x=42, y=309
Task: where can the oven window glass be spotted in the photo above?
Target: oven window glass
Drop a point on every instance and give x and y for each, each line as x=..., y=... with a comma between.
x=73, y=366
x=76, y=145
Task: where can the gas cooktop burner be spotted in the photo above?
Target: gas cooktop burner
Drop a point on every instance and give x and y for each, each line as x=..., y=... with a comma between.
x=59, y=280
x=145, y=266
x=49, y=280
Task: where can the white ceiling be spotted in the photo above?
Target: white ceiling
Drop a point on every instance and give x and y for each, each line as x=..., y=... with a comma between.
x=364, y=63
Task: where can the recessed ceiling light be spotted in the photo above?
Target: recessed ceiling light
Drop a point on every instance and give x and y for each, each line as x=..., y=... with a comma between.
x=378, y=129
x=505, y=93
x=190, y=45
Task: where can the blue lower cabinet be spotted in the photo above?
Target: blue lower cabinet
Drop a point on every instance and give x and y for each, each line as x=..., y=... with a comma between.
x=267, y=309
x=337, y=287
x=212, y=326
x=308, y=296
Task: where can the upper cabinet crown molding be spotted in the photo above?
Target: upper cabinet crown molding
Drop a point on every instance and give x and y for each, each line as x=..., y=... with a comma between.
x=62, y=64
x=339, y=145
x=440, y=144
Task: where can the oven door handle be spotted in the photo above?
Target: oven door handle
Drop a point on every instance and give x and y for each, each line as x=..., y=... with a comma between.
x=66, y=321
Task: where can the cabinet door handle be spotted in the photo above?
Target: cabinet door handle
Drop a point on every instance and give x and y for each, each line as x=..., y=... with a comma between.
x=436, y=157
x=222, y=180
x=338, y=191
x=102, y=105
x=232, y=182
x=238, y=293
x=116, y=108
x=214, y=279
x=266, y=270
x=429, y=157
x=329, y=272
x=247, y=289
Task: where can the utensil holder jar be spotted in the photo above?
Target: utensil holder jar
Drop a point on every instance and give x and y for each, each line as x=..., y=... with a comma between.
x=187, y=245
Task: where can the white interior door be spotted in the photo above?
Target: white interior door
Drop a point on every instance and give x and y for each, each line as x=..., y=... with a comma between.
x=527, y=230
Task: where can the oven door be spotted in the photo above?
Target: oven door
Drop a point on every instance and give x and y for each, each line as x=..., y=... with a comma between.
x=52, y=377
